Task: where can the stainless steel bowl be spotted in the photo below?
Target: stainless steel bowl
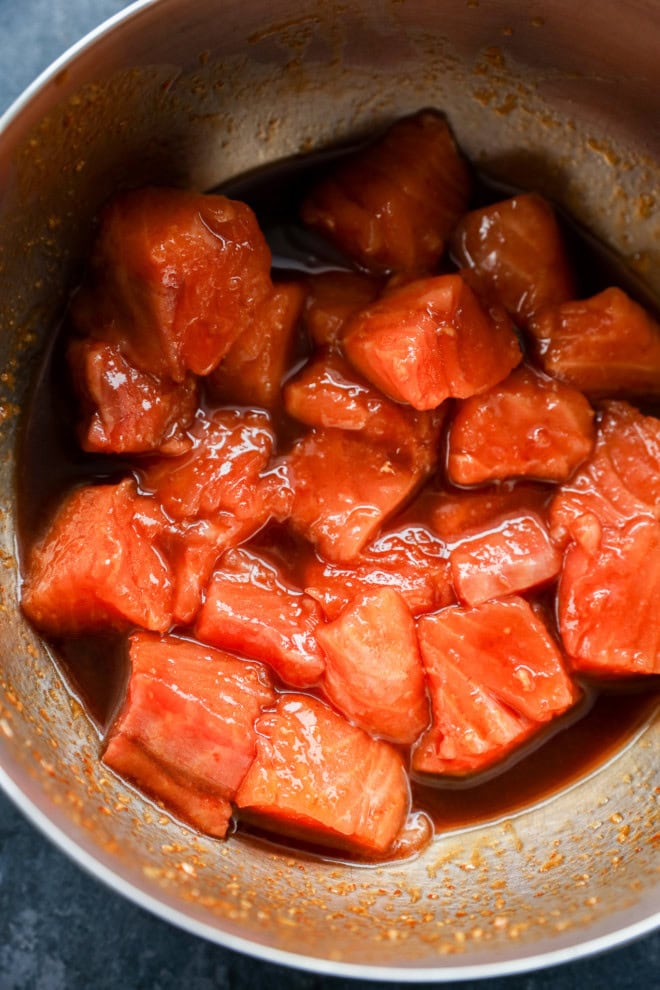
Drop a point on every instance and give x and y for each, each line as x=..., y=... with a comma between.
x=547, y=95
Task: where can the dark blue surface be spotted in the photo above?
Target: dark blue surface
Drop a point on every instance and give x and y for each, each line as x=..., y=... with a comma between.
x=59, y=928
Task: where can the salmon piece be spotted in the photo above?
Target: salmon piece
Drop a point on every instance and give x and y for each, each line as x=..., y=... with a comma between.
x=185, y=733
x=112, y=559
x=345, y=488
x=207, y=812
x=608, y=603
x=514, y=254
x=228, y=470
x=430, y=340
x=471, y=729
x=318, y=778
x=251, y=610
x=607, y=345
x=392, y=206
x=495, y=677
x=631, y=442
x=332, y=298
x=124, y=410
x=374, y=673
x=98, y=565
x=513, y=556
x=192, y=550
x=409, y=560
x=526, y=426
x=327, y=392
x=251, y=372
x=607, y=520
x=621, y=480
x=455, y=515
x=176, y=278
x=215, y=496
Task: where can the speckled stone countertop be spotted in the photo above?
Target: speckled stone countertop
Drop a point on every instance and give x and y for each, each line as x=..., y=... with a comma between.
x=60, y=929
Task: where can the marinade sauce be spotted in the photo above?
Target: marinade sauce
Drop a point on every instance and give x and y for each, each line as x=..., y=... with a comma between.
x=96, y=667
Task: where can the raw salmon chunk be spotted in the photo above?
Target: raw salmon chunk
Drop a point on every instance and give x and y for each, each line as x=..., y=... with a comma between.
x=373, y=673
x=125, y=410
x=430, y=340
x=512, y=556
x=327, y=392
x=514, y=253
x=227, y=470
x=250, y=609
x=631, y=443
x=409, y=559
x=608, y=604
x=607, y=520
x=345, y=488
x=331, y=299
x=138, y=568
x=176, y=278
x=392, y=206
x=606, y=346
x=251, y=372
x=98, y=565
x=185, y=732
x=471, y=728
x=206, y=810
x=529, y=425
x=495, y=676
x=620, y=482
x=319, y=778
x=192, y=549
x=453, y=515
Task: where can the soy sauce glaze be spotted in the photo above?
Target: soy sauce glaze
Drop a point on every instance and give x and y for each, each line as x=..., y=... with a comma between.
x=96, y=668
